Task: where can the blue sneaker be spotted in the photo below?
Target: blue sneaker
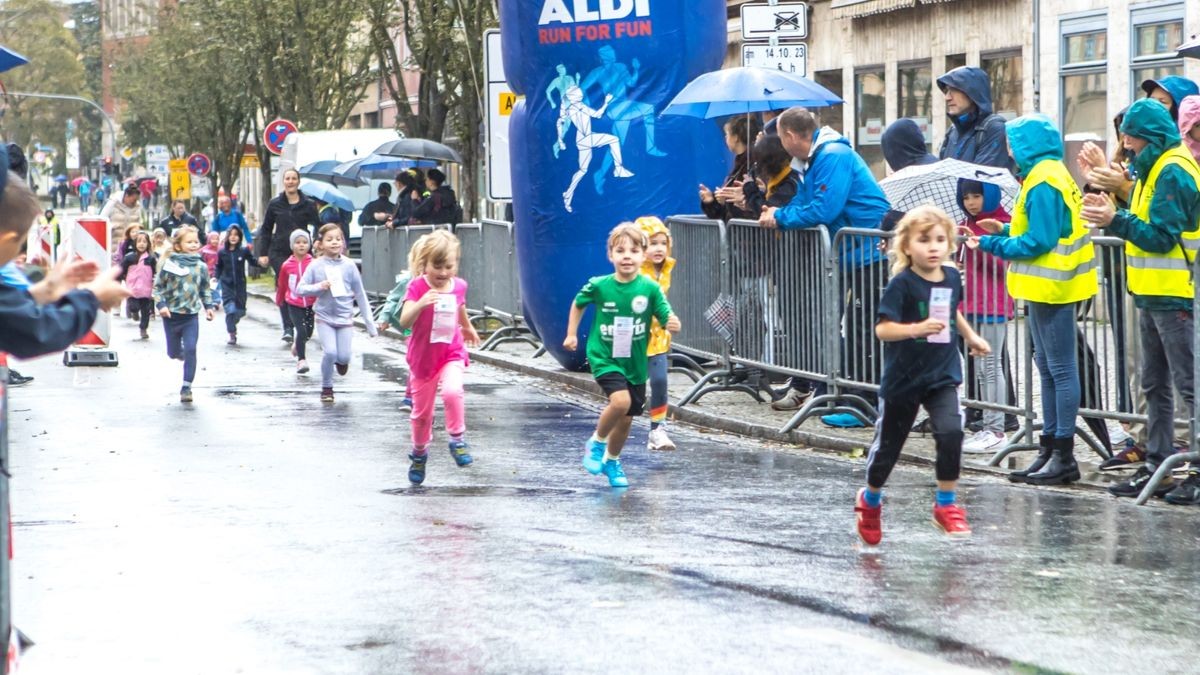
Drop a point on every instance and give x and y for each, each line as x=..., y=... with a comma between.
x=842, y=421
x=458, y=450
x=416, y=470
x=405, y=405
x=593, y=456
x=616, y=474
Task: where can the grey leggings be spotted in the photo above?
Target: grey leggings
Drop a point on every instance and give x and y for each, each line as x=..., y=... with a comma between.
x=335, y=343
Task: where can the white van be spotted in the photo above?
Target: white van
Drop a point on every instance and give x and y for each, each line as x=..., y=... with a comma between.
x=343, y=145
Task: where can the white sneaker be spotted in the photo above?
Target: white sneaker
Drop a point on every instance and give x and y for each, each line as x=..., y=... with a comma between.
x=659, y=440
x=984, y=442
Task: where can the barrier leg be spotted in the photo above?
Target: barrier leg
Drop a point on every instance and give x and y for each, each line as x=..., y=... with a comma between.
x=1164, y=470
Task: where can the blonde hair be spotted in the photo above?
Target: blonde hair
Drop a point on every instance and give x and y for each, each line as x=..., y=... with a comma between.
x=177, y=239
x=19, y=207
x=437, y=247
x=915, y=222
x=630, y=232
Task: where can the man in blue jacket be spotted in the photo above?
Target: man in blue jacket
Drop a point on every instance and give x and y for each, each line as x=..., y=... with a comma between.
x=839, y=192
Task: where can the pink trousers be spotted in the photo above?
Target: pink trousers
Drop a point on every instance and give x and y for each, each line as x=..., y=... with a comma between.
x=424, y=395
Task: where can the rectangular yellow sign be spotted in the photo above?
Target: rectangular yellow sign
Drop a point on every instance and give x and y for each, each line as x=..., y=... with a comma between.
x=507, y=101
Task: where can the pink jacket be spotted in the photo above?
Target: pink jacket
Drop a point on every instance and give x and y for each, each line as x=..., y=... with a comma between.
x=986, y=293
x=1189, y=116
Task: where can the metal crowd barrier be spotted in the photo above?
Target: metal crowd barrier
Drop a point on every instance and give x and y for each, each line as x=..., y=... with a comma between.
x=470, y=263
x=501, y=286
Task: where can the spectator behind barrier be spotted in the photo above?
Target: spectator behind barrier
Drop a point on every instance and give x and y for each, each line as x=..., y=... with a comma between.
x=725, y=203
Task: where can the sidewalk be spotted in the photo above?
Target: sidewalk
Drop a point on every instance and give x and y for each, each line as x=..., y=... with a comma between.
x=737, y=413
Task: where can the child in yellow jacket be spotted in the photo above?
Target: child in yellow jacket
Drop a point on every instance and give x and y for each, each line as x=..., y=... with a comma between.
x=658, y=266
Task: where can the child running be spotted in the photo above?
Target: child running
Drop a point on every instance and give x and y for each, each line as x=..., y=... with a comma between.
x=137, y=271
x=625, y=302
x=334, y=281
x=921, y=366
x=231, y=273
x=209, y=253
x=658, y=266
x=389, y=315
x=298, y=307
x=181, y=291
x=435, y=310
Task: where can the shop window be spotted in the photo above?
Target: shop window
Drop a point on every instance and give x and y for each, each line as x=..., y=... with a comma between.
x=869, y=117
x=1083, y=76
x=1006, y=74
x=1156, y=33
x=831, y=116
x=916, y=95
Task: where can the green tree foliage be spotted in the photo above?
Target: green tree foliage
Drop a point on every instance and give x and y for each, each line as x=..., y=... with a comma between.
x=34, y=28
x=86, y=16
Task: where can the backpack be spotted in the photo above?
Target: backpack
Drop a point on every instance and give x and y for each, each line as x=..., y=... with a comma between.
x=978, y=131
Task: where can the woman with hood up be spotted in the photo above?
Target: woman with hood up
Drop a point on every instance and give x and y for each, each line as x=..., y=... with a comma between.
x=1170, y=91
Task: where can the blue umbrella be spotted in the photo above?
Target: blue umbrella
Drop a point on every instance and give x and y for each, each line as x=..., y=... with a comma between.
x=744, y=90
x=326, y=193
x=60, y=178
x=10, y=59
x=326, y=171
x=378, y=166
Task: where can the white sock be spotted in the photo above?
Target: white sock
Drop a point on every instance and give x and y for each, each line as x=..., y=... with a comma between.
x=609, y=457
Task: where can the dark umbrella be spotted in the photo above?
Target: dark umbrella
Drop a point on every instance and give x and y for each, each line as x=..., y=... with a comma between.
x=419, y=148
x=326, y=170
x=1190, y=48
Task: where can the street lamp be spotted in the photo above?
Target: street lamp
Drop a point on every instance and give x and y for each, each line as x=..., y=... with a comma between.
x=112, y=128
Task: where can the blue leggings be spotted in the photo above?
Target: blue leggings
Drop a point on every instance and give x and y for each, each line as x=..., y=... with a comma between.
x=1054, y=351
x=182, y=332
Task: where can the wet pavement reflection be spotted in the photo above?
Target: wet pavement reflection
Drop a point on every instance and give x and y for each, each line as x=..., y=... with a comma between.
x=257, y=531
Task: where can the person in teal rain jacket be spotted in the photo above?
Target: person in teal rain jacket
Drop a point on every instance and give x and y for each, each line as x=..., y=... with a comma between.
x=1170, y=91
x=1162, y=228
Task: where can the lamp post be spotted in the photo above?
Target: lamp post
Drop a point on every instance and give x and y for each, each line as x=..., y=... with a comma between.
x=112, y=128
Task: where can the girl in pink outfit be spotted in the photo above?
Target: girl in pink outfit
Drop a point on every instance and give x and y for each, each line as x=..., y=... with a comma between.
x=209, y=254
x=137, y=271
x=436, y=313
x=988, y=306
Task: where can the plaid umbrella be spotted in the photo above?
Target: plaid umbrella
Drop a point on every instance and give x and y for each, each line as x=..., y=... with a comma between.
x=937, y=184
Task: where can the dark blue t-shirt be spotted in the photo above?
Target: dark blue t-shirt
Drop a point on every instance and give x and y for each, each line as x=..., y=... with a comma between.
x=913, y=367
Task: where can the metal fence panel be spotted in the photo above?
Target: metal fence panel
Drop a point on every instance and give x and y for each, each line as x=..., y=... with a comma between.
x=699, y=248
x=470, y=263
x=501, y=292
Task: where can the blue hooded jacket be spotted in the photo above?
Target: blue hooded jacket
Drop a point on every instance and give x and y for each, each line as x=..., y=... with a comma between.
x=1175, y=207
x=904, y=145
x=1178, y=87
x=838, y=191
x=976, y=136
x=1033, y=139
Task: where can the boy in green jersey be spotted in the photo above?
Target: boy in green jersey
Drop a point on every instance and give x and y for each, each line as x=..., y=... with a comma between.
x=625, y=302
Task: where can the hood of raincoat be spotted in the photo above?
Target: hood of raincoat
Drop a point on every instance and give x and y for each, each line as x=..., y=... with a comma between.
x=1178, y=87
x=904, y=145
x=975, y=84
x=651, y=225
x=1189, y=116
x=1149, y=120
x=1033, y=138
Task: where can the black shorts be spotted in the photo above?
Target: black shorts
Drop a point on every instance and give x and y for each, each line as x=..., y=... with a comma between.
x=614, y=382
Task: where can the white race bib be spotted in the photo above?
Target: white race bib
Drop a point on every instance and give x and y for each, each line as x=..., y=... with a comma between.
x=622, y=337
x=337, y=284
x=939, y=308
x=172, y=267
x=445, y=319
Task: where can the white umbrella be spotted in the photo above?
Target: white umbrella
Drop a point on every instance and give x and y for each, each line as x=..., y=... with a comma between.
x=937, y=184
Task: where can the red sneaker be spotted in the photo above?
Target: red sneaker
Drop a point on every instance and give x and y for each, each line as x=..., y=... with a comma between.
x=952, y=520
x=869, y=529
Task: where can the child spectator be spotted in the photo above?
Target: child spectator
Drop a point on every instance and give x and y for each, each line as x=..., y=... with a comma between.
x=617, y=345
x=435, y=310
x=988, y=307
x=918, y=322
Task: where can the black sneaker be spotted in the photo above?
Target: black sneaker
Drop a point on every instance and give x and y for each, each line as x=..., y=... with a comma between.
x=1134, y=486
x=16, y=379
x=287, y=337
x=1011, y=423
x=1187, y=492
x=925, y=426
x=1132, y=457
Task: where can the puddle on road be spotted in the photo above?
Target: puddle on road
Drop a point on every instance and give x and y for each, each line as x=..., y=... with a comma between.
x=478, y=491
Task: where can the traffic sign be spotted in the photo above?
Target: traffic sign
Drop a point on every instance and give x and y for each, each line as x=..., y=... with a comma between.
x=181, y=180
x=198, y=164
x=790, y=58
x=500, y=102
x=786, y=21
x=275, y=133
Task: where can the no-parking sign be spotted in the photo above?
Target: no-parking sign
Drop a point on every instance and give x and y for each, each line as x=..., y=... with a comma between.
x=198, y=164
x=275, y=133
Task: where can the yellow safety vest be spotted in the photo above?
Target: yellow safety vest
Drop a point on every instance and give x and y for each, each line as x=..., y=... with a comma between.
x=1067, y=272
x=1163, y=274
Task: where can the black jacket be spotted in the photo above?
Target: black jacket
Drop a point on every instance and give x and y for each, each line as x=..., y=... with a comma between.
x=231, y=272
x=279, y=221
x=719, y=211
x=439, y=207
x=171, y=222
x=367, y=217
x=405, y=205
x=784, y=192
x=28, y=329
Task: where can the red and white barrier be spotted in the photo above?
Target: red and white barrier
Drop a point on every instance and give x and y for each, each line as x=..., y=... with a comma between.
x=89, y=241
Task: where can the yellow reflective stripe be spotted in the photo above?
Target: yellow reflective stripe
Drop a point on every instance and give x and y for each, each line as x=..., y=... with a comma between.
x=1055, y=275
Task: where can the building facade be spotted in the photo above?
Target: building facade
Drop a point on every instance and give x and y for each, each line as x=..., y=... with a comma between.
x=883, y=58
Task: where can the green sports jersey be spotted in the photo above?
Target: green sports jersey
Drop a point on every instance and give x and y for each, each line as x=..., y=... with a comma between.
x=622, y=315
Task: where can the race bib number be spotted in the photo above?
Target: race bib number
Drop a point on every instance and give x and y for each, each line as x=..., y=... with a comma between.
x=172, y=267
x=445, y=319
x=337, y=284
x=939, y=308
x=622, y=337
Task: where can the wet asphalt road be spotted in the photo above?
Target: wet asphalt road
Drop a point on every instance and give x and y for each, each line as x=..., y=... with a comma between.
x=259, y=531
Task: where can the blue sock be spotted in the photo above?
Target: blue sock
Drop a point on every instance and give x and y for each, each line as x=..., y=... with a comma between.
x=873, y=497
x=945, y=497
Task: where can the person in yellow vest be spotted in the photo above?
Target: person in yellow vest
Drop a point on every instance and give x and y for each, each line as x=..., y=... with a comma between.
x=1161, y=229
x=658, y=266
x=1052, y=267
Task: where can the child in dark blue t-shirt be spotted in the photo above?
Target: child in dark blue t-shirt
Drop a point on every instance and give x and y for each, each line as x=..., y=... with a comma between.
x=919, y=321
